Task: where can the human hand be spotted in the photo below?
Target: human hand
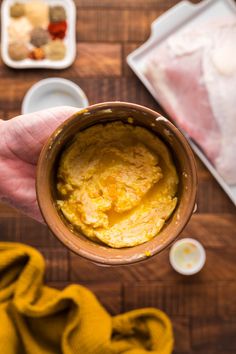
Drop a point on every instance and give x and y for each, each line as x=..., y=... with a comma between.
x=21, y=141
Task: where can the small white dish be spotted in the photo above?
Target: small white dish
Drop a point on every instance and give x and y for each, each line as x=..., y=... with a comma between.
x=187, y=256
x=69, y=40
x=53, y=92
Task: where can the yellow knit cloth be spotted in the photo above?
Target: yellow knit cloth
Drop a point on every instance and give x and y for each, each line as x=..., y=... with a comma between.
x=36, y=319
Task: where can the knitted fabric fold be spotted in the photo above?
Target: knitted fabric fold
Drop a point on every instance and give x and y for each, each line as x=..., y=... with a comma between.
x=36, y=319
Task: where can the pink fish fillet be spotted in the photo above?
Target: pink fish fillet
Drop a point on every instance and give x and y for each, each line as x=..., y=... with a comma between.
x=193, y=76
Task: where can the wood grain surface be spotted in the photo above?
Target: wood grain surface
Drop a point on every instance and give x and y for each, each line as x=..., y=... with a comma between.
x=202, y=307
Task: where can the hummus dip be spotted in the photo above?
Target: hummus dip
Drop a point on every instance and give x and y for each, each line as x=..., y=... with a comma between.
x=117, y=184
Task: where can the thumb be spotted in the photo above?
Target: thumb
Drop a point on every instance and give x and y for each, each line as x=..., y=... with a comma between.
x=26, y=134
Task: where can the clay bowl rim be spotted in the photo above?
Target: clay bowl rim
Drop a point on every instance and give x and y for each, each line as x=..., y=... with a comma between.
x=105, y=255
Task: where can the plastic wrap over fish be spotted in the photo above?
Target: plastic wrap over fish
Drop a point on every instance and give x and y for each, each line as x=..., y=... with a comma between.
x=193, y=74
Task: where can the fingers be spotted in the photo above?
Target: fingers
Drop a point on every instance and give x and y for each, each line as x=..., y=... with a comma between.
x=21, y=141
x=41, y=124
x=25, y=135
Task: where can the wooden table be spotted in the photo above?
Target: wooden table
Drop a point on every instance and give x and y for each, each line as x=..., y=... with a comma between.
x=202, y=307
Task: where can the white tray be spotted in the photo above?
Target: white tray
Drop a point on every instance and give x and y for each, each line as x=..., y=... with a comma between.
x=183, y=15
x=69, y=40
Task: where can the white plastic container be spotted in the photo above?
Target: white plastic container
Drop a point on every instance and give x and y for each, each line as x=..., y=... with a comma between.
x=187, y=256
x=69, y=40
x=183, y=15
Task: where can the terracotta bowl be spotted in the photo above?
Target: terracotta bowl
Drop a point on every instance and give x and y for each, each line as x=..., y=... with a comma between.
x=102, y=113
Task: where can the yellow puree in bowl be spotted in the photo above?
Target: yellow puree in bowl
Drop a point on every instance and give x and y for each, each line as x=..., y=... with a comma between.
x=117, y=184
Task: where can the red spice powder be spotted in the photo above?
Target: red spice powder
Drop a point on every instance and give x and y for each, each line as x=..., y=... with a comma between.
x=57, y=30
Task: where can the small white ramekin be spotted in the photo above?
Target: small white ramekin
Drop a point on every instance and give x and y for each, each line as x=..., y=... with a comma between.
x=197, y=266
x=53, y=92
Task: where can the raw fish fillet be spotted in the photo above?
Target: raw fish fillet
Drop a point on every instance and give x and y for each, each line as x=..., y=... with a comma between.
x=193, y=76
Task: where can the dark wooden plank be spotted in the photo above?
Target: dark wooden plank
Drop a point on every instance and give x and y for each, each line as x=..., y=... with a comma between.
x=109, y=25
x=12, y=114
x=108, y=293
x=184, y=299
x=212, y=230
x=11, y=98
x=213, y=335
x=220, y=265
x=8, y=211
x=9, y=228
x=2, y=114
x=26, y=230
x=203, y=172
x=97, y=59
x=209, y=191
x=57, y=265
x=127, y=49
x=129, y=4
x=181, y=328
x=176, y=299
x=82, y=270
x=227, y=299
x=126, y=4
